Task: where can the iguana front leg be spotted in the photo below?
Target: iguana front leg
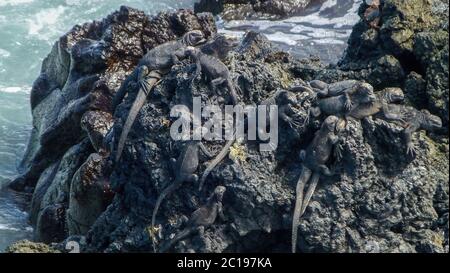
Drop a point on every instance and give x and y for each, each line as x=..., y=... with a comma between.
x=336, y=141
x=284, y=111
x=392, y=116
x=205, y=150
x=407, y=135
x=348, y=104
x=220, y=211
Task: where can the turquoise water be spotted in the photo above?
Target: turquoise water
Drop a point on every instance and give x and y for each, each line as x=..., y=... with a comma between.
x=28, y=29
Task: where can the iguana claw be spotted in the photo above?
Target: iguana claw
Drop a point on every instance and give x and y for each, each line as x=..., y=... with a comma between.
x=411, y=150
x=348, y=105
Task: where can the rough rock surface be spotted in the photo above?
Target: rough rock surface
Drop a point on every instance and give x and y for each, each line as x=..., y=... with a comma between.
x=252, y=9
x=71, y=106
x=380, y=200
x=408, y=49
x=26, y=246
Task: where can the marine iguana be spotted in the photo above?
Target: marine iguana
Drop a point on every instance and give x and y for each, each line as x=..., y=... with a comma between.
x=336, y=105
x=220, y=46
x=215, y=71
x=381, y=107
x=413, y=120
x=314, y=159
x=284, y=100
x=202, y=218
x=346, y=88
x=184, y=168
x=149, y=71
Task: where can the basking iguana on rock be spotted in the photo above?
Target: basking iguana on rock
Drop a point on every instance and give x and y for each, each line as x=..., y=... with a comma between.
x=346, y=88
x=381, y=107
x=338, y=105
x=408, y=117
x=202, y=218
x=219, y=46
x=184, y=167
x=149, y=71
x=314, y=159
x=284, y=100
x=413, y=120
x=216, y=71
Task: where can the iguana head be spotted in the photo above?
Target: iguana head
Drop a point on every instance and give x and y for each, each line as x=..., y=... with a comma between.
x=364, y=94
x=219, y=191
x=194, y=38
x=429, y=121
x=394, y=95
x=226, y=42
x=285, y=97
x=331, y=124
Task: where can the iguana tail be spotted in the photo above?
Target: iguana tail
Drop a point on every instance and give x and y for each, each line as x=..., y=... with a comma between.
x=304, y=177
x=161, y=197
x=134, y=111
x=180, y=236
x=225, y=150
x=310, y=192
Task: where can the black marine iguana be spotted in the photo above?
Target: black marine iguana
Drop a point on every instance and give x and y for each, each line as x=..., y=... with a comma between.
x=336, y=105
x=413, y=120
x=284, y=100
x=149, y=71
x=408, y=117
x=202, y=218
x=381, y=107
x=346, y=88
x=220, y=46
x=184, y=168
x=314, y=159
x=216, y=71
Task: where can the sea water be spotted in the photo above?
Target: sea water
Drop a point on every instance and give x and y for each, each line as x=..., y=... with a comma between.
x=28, y=29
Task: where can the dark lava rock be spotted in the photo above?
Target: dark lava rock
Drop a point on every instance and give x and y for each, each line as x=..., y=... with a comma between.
x=415, y=34
x=380, y=200
x=71, y=107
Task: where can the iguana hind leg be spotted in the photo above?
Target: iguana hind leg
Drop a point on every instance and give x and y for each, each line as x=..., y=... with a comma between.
x=304, y=177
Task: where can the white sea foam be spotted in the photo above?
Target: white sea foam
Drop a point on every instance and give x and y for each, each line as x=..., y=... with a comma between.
x=15, y=89
x=4, y=53
x=44, y=24
x=350, y=18
x=14, y=2
x=316, y=27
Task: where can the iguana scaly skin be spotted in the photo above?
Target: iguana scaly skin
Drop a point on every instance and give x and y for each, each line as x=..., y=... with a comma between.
x=346, y=88
x=184, y=167
x=314, y=159
x=338, y=105
x=215, y=70
x=203, y=217
x=149, y=71
x=219, y=46
x=413, y=120
x=284, y=100
x=382, y=106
